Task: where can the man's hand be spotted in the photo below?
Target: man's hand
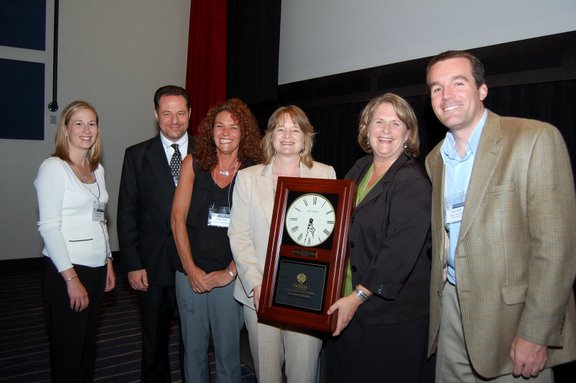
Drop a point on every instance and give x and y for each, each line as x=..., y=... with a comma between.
x=138, y=279
x=528, y=358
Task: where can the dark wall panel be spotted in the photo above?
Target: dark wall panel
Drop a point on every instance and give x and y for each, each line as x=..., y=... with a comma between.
x=534, y=78
x=22, y=100
x=23, y=24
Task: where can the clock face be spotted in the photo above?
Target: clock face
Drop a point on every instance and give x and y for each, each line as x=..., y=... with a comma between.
x=310, y=219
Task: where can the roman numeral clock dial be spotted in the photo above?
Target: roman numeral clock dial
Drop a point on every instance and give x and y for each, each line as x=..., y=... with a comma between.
x=310, y=219
x=307, y=246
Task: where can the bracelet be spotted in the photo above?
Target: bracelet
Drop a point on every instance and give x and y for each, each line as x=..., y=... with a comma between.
x=360, y=294
x=71, y=278
x=231, y=274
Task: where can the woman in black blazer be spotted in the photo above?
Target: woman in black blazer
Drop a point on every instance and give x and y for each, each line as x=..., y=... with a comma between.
x=382, y=325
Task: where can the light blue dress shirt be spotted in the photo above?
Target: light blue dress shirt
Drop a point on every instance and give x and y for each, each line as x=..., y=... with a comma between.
x=456, y=179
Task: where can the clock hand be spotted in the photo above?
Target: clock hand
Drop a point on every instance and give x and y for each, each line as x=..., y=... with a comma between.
x=310, y=228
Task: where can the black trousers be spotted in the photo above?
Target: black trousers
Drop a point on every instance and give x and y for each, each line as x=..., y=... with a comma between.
x=72, y=334
x=394, y=353
x=157, y=311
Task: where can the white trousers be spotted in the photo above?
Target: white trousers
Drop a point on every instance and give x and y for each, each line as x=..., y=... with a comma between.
x=273, y=346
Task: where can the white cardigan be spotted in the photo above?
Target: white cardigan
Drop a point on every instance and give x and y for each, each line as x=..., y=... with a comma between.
x=65, y=206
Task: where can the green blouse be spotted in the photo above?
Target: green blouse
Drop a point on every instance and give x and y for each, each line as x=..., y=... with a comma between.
x=361, y=193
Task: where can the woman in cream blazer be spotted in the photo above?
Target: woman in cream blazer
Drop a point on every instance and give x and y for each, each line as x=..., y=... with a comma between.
x=287, y=147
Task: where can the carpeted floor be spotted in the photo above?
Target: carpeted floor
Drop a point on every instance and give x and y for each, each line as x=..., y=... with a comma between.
x=24, y=344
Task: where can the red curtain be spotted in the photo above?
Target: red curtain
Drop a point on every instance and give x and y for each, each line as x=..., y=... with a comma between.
x=206, y=69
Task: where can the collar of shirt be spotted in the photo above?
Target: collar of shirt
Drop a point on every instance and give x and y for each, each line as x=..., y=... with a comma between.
x=448, y=149
x=182, y=145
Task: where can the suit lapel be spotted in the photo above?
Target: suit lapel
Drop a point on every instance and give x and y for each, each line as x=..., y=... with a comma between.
x=191, y=145
x=437, y=177
x=485, y=163
x=266, y=190
x=436, y=167
x=387, y=178
x=156, y=157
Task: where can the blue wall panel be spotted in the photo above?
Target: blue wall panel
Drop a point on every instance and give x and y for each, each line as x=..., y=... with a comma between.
x=22, y=100
x=23, y=24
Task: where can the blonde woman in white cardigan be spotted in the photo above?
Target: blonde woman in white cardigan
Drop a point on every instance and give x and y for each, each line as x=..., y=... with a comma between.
x=78, y=270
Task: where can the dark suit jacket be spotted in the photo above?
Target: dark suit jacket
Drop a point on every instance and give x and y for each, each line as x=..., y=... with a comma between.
x=389, y=243
x=144, y=207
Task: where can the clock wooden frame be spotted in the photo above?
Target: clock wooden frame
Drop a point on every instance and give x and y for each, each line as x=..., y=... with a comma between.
x=300, y=283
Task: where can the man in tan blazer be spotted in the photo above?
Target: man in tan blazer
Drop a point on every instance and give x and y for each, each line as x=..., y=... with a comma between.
x=504, y=236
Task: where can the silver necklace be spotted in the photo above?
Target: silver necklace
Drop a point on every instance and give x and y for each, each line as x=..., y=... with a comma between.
x=76, y=170
x=97, y=196
x=226, y=173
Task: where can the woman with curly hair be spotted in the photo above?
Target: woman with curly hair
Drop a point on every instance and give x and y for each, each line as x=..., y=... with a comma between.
x=228, y=140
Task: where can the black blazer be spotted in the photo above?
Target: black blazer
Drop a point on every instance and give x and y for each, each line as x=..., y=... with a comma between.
x=144, y=207
x=389, y=243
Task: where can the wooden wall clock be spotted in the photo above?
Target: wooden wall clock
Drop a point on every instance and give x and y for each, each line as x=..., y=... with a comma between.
x=307, y=250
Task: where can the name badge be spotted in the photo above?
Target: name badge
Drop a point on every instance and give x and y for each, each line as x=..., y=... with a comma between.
x=98, y=211
x=454, y=212
x=454, y=207
x=219, y=216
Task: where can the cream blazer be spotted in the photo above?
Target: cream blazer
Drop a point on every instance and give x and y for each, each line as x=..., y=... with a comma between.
x=251, y=217
x=516, y=255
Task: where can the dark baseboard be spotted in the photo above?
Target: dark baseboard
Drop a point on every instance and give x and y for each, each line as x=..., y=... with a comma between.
x=10, y=266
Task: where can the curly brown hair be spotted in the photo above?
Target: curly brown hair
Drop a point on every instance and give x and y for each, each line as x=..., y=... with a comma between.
x=250, y=135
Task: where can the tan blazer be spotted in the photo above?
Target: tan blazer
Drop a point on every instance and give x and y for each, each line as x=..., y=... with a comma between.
x=250, y=220
x=516, y=255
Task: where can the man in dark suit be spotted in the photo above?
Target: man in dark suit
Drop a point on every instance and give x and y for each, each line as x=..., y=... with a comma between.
x=149, y=178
